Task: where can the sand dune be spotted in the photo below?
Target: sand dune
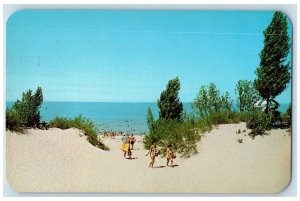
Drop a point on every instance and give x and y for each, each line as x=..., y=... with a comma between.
x=63, y=161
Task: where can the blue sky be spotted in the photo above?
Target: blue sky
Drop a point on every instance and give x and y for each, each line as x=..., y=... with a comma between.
x=129, y=56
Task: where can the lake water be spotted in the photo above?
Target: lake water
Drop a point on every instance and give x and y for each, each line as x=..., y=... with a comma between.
x=129, y=117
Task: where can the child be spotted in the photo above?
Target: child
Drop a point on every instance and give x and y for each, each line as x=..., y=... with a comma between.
x=170, y=155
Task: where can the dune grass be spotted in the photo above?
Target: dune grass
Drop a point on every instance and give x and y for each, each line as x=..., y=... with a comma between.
x=87, y=126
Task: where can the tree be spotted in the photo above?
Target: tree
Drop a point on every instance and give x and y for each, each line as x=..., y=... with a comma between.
x=28, y=108
x=273, y=72
x=169, y=103
x=212, y=107
x=150, y=120
x=247, y=95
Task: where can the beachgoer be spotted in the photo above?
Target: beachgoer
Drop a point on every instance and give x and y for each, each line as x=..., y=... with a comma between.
x=170, y=155
x=153, y=153
x=132, y=141
x=125, y=145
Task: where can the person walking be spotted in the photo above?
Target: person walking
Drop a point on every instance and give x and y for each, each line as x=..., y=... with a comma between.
x=170, y=155
x=125, y=145
x=132, y=141
x=153, y=153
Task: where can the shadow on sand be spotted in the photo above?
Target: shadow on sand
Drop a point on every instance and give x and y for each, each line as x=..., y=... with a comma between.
x=162, y=166
x=132, y=158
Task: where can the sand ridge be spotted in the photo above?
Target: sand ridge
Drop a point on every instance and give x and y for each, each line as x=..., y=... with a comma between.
x=58, y=160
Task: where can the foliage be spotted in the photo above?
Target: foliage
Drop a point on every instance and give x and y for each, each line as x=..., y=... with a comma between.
x=213, y=108
x=182, y=135
x=173, y=126
x=247, y=95
x=150, y=119
x=81, y=123
x=13, y=121
x=287, y=116
x=259, y=122
x=273, y=72
x=60, y=122
x=28, y=108
x=169, y=104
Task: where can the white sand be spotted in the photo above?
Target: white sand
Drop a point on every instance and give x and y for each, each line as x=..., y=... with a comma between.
x=61, y=161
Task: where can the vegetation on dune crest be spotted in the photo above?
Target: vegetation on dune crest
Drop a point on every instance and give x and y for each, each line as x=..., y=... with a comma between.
x=87, y=126
x=173, y=126
x=213, y=108
x=25, y=112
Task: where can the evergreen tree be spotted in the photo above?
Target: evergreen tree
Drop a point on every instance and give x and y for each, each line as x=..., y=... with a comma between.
x=169, y=103
x=28, y=108
x=273, y=72
x=150, y=120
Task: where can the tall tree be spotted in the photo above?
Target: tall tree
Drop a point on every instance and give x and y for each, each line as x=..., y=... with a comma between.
x=273, y=72
x=247, y=95
x=169, y=104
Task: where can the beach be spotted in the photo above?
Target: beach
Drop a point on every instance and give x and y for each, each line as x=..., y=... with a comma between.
x=56, y=160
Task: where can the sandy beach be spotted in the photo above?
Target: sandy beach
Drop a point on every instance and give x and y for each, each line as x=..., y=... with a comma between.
x=58, y=160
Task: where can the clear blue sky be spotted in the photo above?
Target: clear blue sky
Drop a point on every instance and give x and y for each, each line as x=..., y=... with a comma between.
x=130, y=55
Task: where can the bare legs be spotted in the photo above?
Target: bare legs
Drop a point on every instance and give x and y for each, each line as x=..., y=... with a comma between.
x=168, y=160
x=152, y=161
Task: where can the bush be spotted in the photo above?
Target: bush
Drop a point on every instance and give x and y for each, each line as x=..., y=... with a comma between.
x=62, y=123
x=213, y=108
x=87, y=126
x=13, y=121
x=259, y=122
x=287, y=116
x=28, y=108
x=182, y=135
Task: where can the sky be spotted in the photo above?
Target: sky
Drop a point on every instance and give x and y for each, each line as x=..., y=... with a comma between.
x=129, y=56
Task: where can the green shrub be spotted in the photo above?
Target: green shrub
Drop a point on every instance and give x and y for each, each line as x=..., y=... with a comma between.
x=287, y=116
x=62, y=123
x=87, y=126
x=28, y=107
x=213, y=108
x=259, y=122
x=13, y=121
x=182, y=135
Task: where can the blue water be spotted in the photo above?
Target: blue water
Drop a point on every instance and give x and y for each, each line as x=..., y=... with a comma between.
x=126, y=117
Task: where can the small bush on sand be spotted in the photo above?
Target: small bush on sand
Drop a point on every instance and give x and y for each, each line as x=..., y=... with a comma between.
x=60, y=122
x=87, y=126
x=259, y=122
x=287, y=116
x=13, y=121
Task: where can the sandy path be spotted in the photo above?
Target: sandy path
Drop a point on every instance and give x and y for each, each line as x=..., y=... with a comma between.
x=62, y=161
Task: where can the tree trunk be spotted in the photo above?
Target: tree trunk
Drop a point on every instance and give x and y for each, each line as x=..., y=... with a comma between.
x=267, y=108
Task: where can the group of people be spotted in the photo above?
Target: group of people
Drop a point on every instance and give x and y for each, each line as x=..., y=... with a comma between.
x=127, y=145
x=170, y=154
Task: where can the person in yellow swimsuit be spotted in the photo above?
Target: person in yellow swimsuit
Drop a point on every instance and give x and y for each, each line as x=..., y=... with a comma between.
x=125, y=147
x=170, y=155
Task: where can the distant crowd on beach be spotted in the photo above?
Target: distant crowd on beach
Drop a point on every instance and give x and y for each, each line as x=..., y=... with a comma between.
x=113, y=134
